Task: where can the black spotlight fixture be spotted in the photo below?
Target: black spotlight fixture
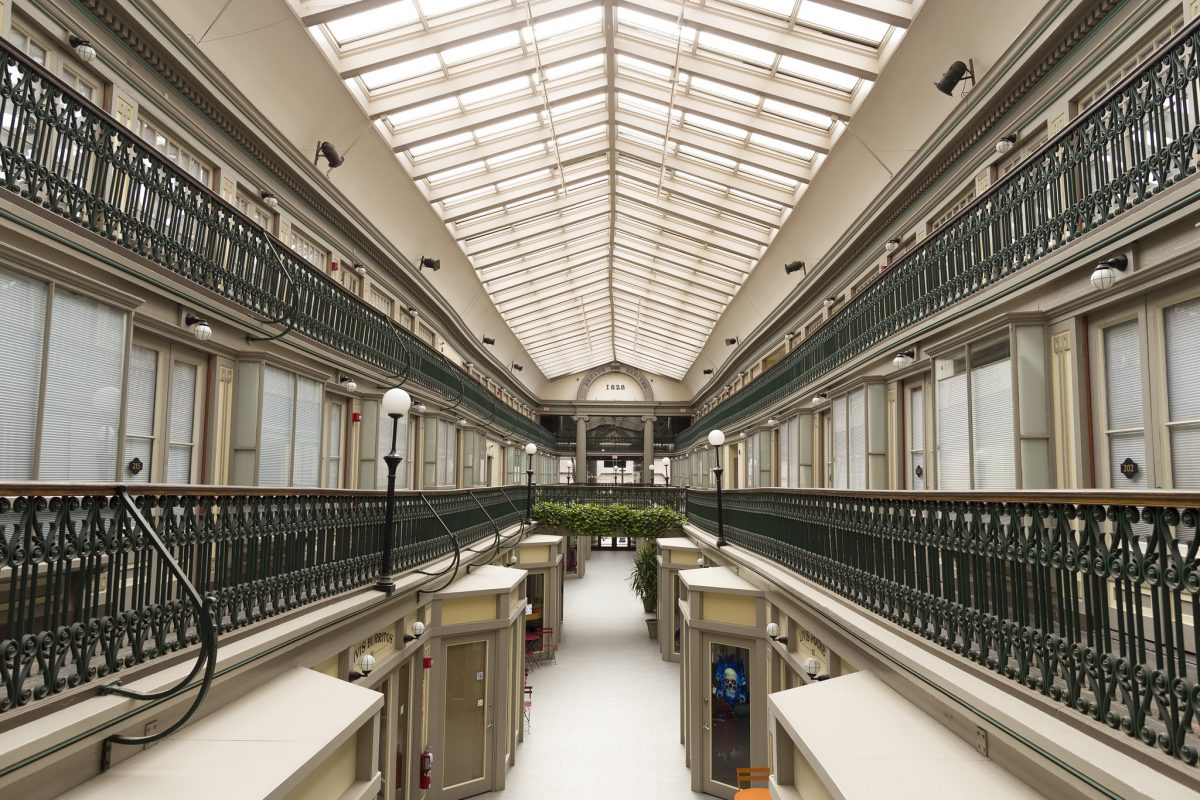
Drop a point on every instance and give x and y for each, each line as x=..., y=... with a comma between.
x=488, y=340
x=332, y=157
x=954, y=75
x=707, y=371
x=795, y=266
x=429, y=263
x=731, y=341
x=517, y=366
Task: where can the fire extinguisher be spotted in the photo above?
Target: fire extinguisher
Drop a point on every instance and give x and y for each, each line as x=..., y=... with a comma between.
x=426, y=768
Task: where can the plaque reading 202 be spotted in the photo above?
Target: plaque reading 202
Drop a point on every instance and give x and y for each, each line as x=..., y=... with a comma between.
x=615, y=387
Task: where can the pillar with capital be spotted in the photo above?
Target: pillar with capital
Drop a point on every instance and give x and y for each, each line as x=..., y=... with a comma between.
x=581, y=449
x=648, y=449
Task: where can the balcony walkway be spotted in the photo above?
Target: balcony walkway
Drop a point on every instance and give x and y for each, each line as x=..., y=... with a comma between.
x=606, y=716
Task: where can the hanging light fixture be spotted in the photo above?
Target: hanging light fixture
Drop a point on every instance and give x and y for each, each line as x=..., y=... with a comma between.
x=904, y=358
x=200, y=328
x=83, y=48
x=1107, y=272
x=348, y=383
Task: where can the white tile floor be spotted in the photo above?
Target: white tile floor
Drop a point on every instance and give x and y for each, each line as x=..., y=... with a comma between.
x=606, y=716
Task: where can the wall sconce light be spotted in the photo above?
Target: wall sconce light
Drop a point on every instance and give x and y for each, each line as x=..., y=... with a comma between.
x=366, y=665
x=462, y=422
x=201, y=329
x=904, y=358
x=360, y=270
x=819, y=397
x=731, y=341
x=83, y=48
x=508, y=442
x=891, y=245
x=417, y=629
x=270, y=200
x=707, y=371
x=413, y=311
x=517, y=367
x=420, y=407
x=348, y=383
x=467, y=364
x=701, y=561
x=1107, y=272
x=794, y=266
x=773, y=633
x=1006, y=143
x=488, y=340
x=772, y=421
x=955, y=74
x=512, y=557
x=829, y=302
x=811, y=666
x=428, y=263
x=332, y=157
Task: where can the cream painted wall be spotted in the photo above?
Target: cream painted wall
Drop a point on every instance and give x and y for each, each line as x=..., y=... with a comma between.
x=469, y=609
x=734, y=609
x=264, y=51
x=333, y=777
x=900, y=113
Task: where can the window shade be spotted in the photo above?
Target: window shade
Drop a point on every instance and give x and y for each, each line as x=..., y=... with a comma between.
x=333, y=460
x=953, y=444
x=22, y=330
x=139, y=412
x=839, y=442
x=916, y=437
x=306, y=469
x=1123, y=401
x=275, y=438
x=994, y=464
x=1181, y=325
x=81, y=417
x=785, y=452
x=858, y=440
x=183, y=422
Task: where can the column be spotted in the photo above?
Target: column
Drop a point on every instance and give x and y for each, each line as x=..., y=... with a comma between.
x=580, y=448
x=648, y=449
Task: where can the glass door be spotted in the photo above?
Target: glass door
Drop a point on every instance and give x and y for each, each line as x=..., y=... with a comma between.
x=467, y=715
x=725, y=718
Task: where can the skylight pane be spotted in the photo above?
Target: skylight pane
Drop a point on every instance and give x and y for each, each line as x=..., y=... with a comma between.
x=715, y=126
x=568, y=23
x=569, y=68
x=438, y=145
x=423, y=112
x=817, y=74
x=481, y=48
x=704, y=155
x=654, y=25
x=436, y=8
x=594, y=132
x=781, y=146
x=473, y=194
x=521, y=180
x=782, y=8
x=405, y=70
x=736, y=49
x=494, y=91
x=630, y=64
x=591, y=102
x=516, y=155
x=814, y=118
x=767, y=175
x=456, y=172
x=843, y=22
x=376, y=20
x=505, y=126
x=639, y=136
x=725, y=92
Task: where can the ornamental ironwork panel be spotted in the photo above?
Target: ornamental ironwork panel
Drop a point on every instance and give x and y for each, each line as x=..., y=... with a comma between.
x=65, y=154
x=1136, y=141
x=1092, y=601
x=82, y=595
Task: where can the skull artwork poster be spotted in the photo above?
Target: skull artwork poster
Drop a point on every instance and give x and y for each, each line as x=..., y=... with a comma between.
x=729, y=712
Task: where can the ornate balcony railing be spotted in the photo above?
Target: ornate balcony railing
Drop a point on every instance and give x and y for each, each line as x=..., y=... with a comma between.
x=82, y=597
x=1089, y=598
x=1133, y=143
x=634, y=496
x=67, y=155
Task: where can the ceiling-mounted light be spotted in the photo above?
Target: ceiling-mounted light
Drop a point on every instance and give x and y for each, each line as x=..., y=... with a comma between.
x=891, y=245
x=731, y=341
x=819, y=397
x=83, y=48
x=200, y=329
x=428, y=263
x=488, y=340
x=794, y=266
x=269, y=200
x=1006, y=143
x=904, y=358
x=348, y=383
x=332, y=157
x=955, y=74
x=1107, y=272
x=829, y=302
x=707, y=371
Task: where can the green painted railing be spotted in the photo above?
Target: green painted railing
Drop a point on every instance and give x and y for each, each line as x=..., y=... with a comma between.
x=1133, y=143
x=82, y=596
x=67, y=155
x=1089, y=598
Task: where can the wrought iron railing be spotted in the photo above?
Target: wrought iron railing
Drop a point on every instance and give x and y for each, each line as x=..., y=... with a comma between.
x=1134, y=142
x=82, y=595
x=64, y=153
x=1089, y=598
x=634, y=496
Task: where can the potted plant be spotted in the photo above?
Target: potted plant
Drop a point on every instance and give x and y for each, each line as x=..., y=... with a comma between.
x=644, y=582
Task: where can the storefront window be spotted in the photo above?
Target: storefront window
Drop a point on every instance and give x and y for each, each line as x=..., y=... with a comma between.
x=729, y=712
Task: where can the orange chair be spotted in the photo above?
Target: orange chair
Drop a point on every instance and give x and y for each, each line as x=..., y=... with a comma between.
x=749, y=775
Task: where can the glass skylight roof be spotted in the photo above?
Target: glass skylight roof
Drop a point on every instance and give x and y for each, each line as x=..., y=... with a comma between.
x=612, y=172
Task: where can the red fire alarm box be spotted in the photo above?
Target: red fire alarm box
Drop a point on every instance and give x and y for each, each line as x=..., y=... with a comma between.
x=427, y=662
x=356, y=416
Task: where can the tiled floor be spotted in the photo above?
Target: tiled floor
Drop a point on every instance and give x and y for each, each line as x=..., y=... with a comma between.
x=606, y=716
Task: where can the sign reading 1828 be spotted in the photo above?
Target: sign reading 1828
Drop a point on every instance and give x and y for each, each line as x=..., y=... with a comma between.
x=615, y=386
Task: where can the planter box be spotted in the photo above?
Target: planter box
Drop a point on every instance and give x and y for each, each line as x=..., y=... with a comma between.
x=652, y=627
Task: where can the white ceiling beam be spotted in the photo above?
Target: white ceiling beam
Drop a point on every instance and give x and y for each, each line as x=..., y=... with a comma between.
x=890, y=12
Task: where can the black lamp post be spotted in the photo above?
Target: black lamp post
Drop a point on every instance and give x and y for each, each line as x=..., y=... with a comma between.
x=396, y=403
x=716, y=438
x=530, y=449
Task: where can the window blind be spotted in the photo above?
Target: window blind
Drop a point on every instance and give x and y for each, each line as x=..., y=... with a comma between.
x=333, y=462
x=139, y=412
x=858, y=439
x=1123, y=401
x=953, y=444
x=22, y=330
x=183, y=422
x=785, y=453
x=275, y=437
x=81, y=417
x=306, y=469
x=916, y=436
x=994, y=464
x=839, y=442
x=1181, y=324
